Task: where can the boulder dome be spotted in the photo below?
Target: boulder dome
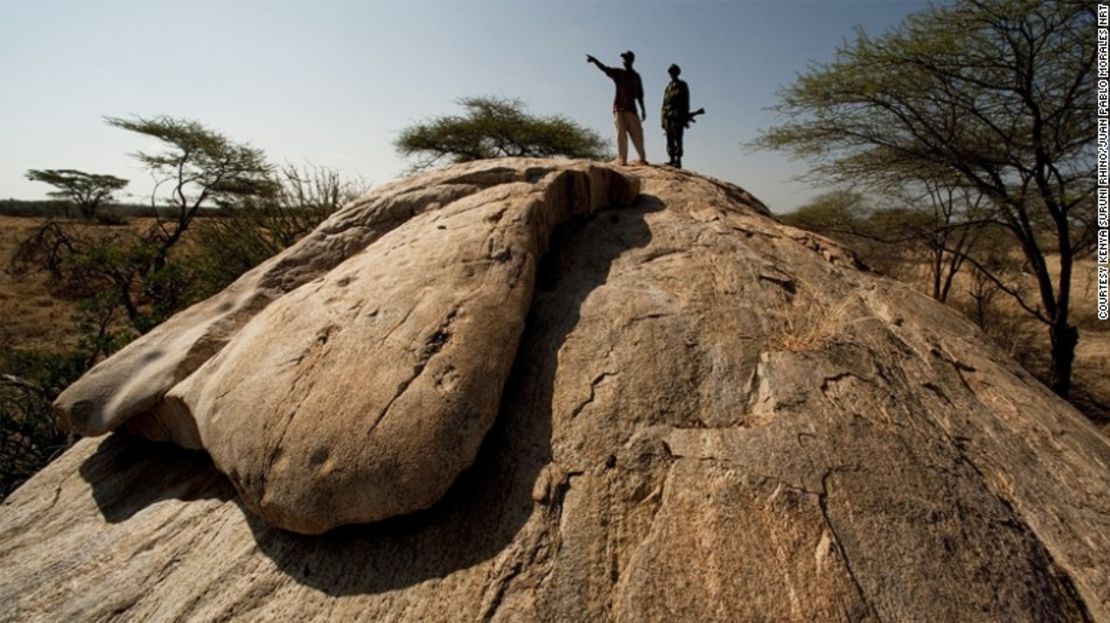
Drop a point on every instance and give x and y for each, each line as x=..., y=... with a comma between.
x=540, y=390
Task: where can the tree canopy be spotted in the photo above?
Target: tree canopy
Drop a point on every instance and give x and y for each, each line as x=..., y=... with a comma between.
x=993, y=95
x=494, y=127
x=86, y=190
x=134, y=270
x=197, y=167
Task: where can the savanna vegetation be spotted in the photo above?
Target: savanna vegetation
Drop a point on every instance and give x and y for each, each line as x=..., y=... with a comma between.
x=969, y=129
x=219, y=208
x=87, y=191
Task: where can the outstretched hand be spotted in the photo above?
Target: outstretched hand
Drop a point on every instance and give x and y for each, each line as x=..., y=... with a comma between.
x=590, y=58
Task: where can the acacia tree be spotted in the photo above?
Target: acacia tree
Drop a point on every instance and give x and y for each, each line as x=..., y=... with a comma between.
x=196, y=168
x=942, y=217
x=86, y=190
x=494, y=127
x=147, y=274
x=920, y=218
x=954, y=210
x=995, y=93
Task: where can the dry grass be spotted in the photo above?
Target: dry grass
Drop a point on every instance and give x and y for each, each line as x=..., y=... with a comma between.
x=33, y=317
x=807, y=323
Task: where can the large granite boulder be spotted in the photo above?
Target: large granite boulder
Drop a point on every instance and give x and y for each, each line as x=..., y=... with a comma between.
x=564, y=392
x=352, y=378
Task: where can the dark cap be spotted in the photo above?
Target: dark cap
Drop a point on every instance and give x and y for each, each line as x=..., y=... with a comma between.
x=628, y=56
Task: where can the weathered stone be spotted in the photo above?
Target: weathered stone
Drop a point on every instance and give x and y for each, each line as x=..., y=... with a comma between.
x=708, y=416
x=361, y=394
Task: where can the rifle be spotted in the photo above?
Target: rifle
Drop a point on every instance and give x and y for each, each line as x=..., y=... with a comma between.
x=690, y=116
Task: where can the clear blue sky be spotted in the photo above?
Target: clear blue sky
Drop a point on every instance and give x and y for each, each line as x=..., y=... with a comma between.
x=333, y=82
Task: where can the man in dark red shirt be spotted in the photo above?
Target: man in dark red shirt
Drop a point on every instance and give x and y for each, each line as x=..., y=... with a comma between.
x=630, y=91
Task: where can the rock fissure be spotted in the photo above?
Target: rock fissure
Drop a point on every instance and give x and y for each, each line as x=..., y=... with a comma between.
x=597, y=380
x=958, y=366
x=650, y=316
x=938, y=392
x=838, y=542
x=317, y=349
x=57, y=494
x=536, y=547
x=787, y=283
x=830, y=381
x=958, y=445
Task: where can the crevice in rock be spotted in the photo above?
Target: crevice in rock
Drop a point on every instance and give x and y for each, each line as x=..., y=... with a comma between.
x=432, y=346
x=57, y=493
x=748, y=232
x=823, y=503
x=958, y=366
x=938, y=392
x=830, y=381
x=778, y=481
x=537, y=546
x=593, y=389
x=787, y=283
x=317, y=349
x=654, y=498
x=662, y=253
x=530, y=558
x=648, y=316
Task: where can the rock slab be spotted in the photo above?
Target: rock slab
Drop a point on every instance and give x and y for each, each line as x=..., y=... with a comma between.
x=361, y=394
x=707, y=416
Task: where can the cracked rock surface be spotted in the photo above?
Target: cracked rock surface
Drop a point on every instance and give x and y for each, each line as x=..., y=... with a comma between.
x=564, y=392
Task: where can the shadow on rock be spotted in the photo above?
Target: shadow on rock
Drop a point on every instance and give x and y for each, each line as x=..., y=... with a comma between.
x=488, y=505
x=129, y=474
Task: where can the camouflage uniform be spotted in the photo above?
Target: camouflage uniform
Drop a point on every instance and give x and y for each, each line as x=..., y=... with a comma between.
x=675, y=117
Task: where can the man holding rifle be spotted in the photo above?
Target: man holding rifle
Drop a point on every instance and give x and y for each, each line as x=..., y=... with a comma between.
x=676, y=115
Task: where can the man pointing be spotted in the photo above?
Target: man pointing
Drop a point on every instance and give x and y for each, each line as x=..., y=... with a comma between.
x=630, y=91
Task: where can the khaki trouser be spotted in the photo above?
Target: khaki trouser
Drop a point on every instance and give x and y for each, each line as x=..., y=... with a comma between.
x=628, y=122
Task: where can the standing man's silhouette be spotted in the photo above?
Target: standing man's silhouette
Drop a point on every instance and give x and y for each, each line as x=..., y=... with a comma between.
x=630, y=90
x=676, y=115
